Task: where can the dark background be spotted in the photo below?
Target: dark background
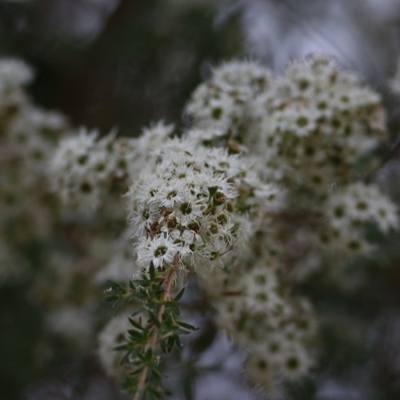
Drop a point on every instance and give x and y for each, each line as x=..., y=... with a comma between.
x=127, y=63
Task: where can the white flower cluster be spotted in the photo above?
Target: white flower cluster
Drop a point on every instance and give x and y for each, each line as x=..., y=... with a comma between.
x=82, y=166
x=222, y=103
x=351, y=208
x=277, y=331
x=37, y=242
x=309, y=130
x=87, y=171
x=31, y=221
x=28, y=135
x=315, y=123
x=194, y=206
x=284, y=349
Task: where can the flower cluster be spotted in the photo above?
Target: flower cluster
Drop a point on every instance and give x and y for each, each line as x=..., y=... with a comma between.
x=277, y=331
x=35, y=239
x=222, y=104
x=285, y=349
x=350, y=208
x=64, y=259
x=88, y=172
x=195, y=205
x=28, y=135
x=82, y=166
x=316, y=122
x=309, y=130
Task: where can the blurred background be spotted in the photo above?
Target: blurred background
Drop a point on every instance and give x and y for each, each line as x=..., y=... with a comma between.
x=107, y=63
x=124, y=64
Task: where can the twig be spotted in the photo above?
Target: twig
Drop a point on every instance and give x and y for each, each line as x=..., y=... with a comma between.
x=153, y=339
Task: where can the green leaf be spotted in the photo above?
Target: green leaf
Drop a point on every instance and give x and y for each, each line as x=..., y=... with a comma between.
x=149, y=355
x=154, y=320
x=139, y=282
x=179, y=295
x=138, y=311
x=178, y=342
x=155, y=392
x=120, y=347
x=136, y=324
x=135, y=335
x=156, y=372
x=152, y=271
x=187, y=326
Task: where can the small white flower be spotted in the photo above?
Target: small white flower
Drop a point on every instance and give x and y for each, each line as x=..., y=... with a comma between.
x=160, y=251
x=189, y=210
x=171, y=194
x=142, y=217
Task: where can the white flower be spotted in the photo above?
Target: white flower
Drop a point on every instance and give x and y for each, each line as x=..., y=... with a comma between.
x=247, y=75
x=142, y=216
x=189, y=211
x=360, y=203
x=223, y=102
x=206, y=136
x=159, y=250
x=171, y=194
x=214, y=251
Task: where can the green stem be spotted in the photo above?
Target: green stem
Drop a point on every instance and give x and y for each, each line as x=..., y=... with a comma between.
x=153, y=340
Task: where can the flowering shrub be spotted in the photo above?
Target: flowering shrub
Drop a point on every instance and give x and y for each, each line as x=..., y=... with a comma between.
x=260, y=193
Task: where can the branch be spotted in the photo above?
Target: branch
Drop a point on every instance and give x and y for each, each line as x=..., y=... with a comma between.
x=153, y=339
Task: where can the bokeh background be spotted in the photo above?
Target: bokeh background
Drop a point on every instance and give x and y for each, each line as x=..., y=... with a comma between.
x=121, y=63
x=124, y=64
